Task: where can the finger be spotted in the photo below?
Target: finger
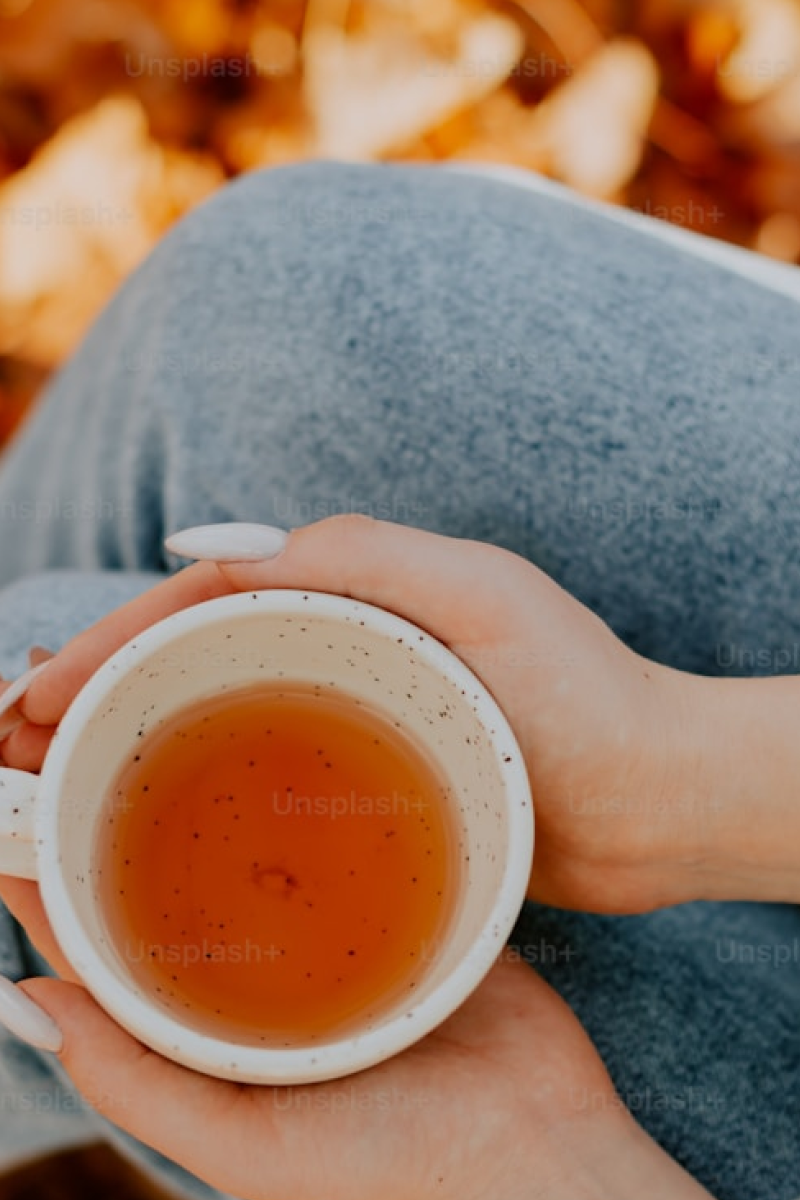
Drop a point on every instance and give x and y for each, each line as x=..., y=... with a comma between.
x=26, y=746
x=209, y=1126
x=10, y=717
x=48, y=697
x=12, y=692
x=8, y=723
x=38, y=655
x=458, y=590
x=424, y=577
x=23, y=901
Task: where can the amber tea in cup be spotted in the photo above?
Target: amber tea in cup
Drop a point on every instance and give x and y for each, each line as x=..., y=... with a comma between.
x=279, y=862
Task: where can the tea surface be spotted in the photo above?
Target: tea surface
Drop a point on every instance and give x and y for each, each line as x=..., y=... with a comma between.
x=277, y=863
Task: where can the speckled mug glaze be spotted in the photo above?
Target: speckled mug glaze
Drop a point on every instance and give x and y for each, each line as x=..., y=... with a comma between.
x=49, y=824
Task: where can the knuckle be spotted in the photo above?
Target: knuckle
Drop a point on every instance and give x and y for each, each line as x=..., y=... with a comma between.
x=350, y=526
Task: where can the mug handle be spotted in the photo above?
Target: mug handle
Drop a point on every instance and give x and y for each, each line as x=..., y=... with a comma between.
x=17, y=843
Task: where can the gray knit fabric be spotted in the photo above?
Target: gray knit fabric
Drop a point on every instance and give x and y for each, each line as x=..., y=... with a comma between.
x=458, y=354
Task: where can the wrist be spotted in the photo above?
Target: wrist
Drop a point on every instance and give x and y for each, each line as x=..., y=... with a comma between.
x=632, y=1165
x=604, y=1156
x=735, y=787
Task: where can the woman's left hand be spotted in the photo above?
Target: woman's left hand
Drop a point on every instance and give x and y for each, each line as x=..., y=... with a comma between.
x=506, y=1100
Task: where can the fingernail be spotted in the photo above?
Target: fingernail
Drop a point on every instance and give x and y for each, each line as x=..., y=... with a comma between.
x=30, y=1023
x=19, y=687
x=236, y=541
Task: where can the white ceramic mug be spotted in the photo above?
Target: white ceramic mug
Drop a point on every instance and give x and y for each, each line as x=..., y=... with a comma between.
x=49, y=823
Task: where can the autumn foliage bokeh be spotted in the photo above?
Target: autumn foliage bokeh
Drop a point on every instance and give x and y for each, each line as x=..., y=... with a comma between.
x=117, y=116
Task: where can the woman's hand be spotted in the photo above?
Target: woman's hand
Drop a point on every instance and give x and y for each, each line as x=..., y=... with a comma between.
x=603, y=730
x=507, y=1100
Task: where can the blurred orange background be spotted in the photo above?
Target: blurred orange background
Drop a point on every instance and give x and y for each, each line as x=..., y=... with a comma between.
x=117, y=116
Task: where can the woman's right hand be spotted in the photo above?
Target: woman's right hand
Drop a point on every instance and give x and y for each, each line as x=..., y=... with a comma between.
x=604, y=732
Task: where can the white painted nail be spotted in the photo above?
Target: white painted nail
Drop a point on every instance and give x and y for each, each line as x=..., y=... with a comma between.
x=19, y=687
x=236, y=541
x=30, y=1023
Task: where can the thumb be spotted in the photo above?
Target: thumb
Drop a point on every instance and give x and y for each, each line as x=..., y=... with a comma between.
x=458, y=590
x=164, y=1105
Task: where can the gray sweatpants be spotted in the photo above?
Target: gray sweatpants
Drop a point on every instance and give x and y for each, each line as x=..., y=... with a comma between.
x=484, y=360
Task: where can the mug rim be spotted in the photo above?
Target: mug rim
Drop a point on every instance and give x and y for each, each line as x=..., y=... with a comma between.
x=350, y=1052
